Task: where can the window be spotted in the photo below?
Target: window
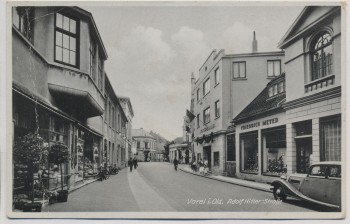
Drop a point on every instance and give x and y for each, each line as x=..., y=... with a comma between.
x=119, y=124
x=66, y=37
x=198, y=92
x=216, y=159
x=318, y=171
x=322, y=57
x=206, y=115
x=23, y=19
x=146, y=145
x=217, y=76
x=231, y=147
x=206, y=87
x=217, y=108
x=277, y=88
x=113, y=118
x=110, y=113
x=330, y=138
x=249, y=152
x=334, y=171
x=92, y=50
x=198, y=121
x=273, y=68
x=138, y=145
x=239, y=70
x=100, y=73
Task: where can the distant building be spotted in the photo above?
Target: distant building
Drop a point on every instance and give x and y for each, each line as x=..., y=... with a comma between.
x=145, y=143
x=180, y=150
x=226, y=84
x=158, y=155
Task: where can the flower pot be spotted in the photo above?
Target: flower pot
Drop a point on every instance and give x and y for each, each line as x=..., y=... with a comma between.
x=32, y=207
x=62, y=196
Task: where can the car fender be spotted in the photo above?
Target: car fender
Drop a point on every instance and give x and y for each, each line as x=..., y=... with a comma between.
x=291, y=191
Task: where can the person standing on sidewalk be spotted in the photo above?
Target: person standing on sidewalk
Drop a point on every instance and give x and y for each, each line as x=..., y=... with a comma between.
x=130, y=164
x=176, y=163
x=134, y=161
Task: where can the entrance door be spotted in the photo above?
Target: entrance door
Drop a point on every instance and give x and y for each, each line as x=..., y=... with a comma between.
x=304, y=149
x=207, y=155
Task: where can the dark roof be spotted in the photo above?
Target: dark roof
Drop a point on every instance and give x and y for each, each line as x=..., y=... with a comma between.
x=263, y=105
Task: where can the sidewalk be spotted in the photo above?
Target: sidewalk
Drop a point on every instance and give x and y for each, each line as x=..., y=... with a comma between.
x=231, y=180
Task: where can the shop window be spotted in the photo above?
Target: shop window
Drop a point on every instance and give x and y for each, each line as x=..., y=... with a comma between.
x=23, y=20
x=274, y=152
x=249, y=152
x=231, y=147
x=216, y=159
x=330, y=138
x=66, y=40
x=322, y=56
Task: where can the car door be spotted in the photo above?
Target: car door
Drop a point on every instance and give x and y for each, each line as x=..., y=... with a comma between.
x=333, y=185
x=313, y=185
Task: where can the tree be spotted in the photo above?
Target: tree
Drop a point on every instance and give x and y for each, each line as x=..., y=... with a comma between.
x=31, y=152
x=58, y=155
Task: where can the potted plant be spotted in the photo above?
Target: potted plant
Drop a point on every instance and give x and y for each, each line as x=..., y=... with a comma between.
x=58, y=155
x=30, y=151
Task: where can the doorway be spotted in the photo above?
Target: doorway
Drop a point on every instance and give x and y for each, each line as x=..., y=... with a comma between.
x=304, y=150
x=207, y=155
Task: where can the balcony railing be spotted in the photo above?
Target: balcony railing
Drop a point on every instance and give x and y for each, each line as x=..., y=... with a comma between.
x=320, y=83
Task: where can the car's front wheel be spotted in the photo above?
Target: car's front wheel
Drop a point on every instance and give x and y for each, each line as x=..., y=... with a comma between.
x=278, y=193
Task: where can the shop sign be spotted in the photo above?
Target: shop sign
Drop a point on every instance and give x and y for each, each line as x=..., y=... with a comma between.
x=208, y=128
x=259, y=123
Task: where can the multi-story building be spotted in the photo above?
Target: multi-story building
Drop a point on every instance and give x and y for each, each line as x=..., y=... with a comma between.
x=226, y=84
x=58, y=83
x=313, y=87
x=296, y=119
x=129, y=112
x=161, y=142
x=114, y=132
x=145, y=144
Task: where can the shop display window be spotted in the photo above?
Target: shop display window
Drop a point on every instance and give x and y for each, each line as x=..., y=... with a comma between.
x=249, y=152
x=274, y=152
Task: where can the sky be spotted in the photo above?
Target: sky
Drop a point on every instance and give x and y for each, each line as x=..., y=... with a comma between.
x=152, y=51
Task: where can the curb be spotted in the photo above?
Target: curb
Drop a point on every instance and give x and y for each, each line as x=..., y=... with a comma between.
x=226, y=181
x=83, y=185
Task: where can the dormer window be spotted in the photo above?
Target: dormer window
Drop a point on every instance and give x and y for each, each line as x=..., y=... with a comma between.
x=277, y=88
x=66, y=40
x=322, y=56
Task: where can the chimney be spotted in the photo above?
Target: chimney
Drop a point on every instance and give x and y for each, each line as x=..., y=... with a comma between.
x=255, y=44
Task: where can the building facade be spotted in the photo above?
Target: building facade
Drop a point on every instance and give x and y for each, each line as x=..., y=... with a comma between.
x=226, y=84
x=145, y=144
x=58, y=84
x=129, y=113
x=114, y=132
x=179, y=149
x=296, y=120
x=313, y=87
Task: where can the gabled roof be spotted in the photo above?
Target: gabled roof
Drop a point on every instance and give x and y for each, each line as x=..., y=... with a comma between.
x=263, y=104
x=128, y=101
x=306, y=20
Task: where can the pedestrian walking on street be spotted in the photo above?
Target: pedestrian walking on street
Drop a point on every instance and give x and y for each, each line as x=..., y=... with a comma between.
x=176, y=163
x=134, y=161
x=130, y=164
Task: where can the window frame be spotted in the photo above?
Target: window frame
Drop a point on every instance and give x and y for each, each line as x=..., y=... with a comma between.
x=76, y=36
x=205, y=90
x=217, y=109
x=273, y=66
x=205, y=116
x=92, y=63
x=198, y=94
x=217, y=76
x=239, y=73
x=198, y=119
x=313, y=50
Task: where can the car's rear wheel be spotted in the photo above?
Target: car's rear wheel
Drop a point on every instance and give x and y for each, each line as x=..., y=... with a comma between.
x=278, y=193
